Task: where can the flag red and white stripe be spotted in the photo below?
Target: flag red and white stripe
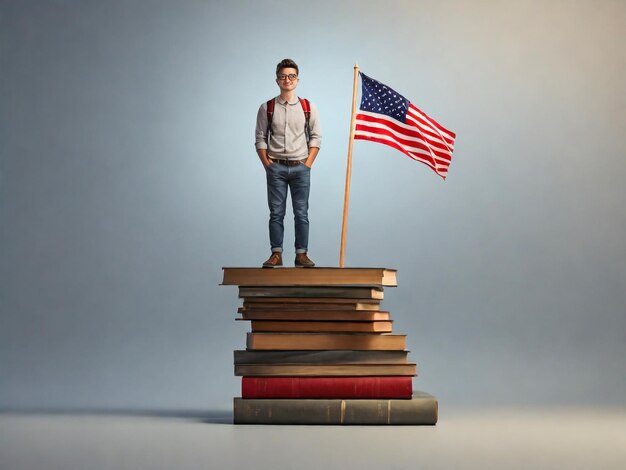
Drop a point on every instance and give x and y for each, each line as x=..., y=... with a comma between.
x=401, y=125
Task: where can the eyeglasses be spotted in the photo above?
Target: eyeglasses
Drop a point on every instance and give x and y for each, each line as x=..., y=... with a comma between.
x=291, y=76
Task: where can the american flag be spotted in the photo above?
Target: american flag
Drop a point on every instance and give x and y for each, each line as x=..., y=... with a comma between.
x=389, y=118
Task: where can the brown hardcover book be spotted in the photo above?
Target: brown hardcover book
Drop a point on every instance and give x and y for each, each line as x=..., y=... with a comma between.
x=309, y=277
x=316, y=292
x=314, y=315
x=311, y=305
x=421, y=409
x=316, y=370
x=320, y=357
x=326, y=326
x=284, y=341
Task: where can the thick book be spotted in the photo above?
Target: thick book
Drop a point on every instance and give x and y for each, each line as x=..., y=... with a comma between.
x=282, y=341
x=312, y=304
x=320, y=357
x=317, y=370
x=253, y=277
x=421, y=409
x=326, y=326
x=314, y=315
x=315, y=291
x=326, y=387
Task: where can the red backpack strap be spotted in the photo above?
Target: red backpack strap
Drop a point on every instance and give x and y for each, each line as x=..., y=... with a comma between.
x=270, y=109
x=270, y=115
x=306, y=107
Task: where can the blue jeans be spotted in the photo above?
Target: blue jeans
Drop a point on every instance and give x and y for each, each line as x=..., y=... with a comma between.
x=298, y=180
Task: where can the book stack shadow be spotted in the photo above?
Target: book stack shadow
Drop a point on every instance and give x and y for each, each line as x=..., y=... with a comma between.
x=322, y=351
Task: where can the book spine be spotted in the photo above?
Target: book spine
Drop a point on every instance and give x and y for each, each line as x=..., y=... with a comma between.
x=259, y=277
x=416, y=411
x=308, y=300
x=317, y=357
x=286, y=341
x=326, y=387
x=344, y=307
x=317, y=292
x=314, y=315
x=319, y=326
x=319, y=370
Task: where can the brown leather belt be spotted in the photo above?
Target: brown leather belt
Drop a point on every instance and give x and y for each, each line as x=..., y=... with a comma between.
x=287, y=162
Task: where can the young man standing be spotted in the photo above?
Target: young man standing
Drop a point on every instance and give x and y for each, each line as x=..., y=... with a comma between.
x=288, y=138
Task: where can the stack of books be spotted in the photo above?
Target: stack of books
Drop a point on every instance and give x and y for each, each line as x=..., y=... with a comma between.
x=321, y=350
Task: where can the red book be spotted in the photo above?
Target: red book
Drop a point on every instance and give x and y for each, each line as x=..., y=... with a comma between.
x=327, y=387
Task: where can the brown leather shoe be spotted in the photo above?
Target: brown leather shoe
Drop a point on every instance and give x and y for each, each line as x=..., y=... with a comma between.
x=275, y=260
x=303, y=261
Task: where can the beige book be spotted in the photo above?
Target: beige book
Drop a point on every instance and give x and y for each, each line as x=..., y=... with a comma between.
x=251, y=277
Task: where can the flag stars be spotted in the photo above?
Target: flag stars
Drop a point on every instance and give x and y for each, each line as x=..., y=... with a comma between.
x=379, y=98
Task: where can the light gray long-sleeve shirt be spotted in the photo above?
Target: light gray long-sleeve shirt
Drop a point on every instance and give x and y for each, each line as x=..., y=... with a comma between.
x=287, y=136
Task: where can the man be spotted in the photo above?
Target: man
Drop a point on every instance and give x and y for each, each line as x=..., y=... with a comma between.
x=288, y=138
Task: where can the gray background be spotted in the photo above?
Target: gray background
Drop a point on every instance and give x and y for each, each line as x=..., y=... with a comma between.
x=128, y=178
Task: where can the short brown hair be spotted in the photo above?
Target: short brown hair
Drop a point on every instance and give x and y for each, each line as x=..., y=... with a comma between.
x=286, y=64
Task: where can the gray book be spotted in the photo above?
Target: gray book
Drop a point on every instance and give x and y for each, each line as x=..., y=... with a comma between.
x=319, y=357
x=422, y=408
x=315, y=315
x=315, y=291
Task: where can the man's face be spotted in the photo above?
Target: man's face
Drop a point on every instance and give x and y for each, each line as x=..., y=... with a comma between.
x=285, y=83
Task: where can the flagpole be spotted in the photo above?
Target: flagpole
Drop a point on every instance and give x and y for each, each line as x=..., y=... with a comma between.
x=346, y=197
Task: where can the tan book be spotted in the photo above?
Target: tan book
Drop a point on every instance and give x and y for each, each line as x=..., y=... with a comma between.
x=336, y=292
x=316, y=370
x=314, y=315
x=309, y=277
x=322, y=326
x=285, y=341
x=348, y=306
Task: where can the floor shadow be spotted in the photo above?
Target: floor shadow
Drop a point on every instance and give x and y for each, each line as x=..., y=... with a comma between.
x=203, y=416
